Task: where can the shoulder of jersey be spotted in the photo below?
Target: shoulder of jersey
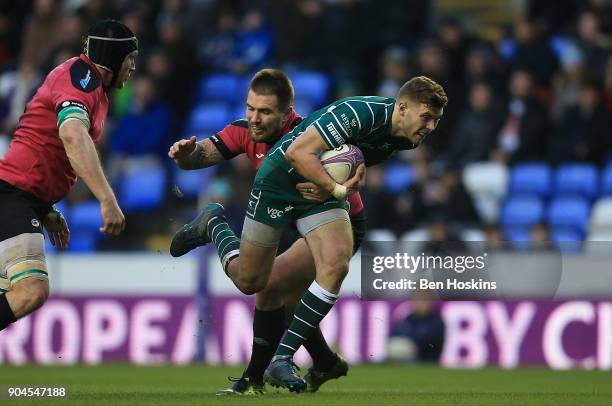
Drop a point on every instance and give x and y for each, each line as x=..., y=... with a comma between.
x=83, y=77
x=241, y=123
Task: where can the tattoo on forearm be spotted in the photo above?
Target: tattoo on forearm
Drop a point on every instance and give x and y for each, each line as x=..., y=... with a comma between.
x=206, y=154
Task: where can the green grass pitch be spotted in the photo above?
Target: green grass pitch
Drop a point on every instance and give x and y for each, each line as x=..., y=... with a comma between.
x=373, y=385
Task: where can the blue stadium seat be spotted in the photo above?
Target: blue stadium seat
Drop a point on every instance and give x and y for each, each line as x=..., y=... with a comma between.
x=238, y=112
x=565, y=234
x=569, y=213
x=85, y=216
x=398, y=177
x=606, y=181
x=567, y=240
x=83, y=241
x=517, y=234
x=49, y=248
x=142, y=188
x=577, y=179
x=312, y=85
x=522, y=212
x=225, y=87
x=209, y=118
x=190, y=183
x=302, y=106
x=531, y=178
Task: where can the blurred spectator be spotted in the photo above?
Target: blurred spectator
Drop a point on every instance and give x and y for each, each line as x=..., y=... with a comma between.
x=603, y=9
x=443, y=196
x=377, y=200
x=179, y=49
x=296, y=24
x=475, y=135
x=583, y=133
x=16, y=89
x=70, y=41
x=144, y=130
x=524, y=134
x=480, y=67
x=594, y=44
x=608, y=84
x=566, y=83
x=495, y=237
x=420, y=336
x=540, y=236
x=254, y=44
x=432, y=62
x=136, y=18
x=218, y=46
x=12, y=16
x=92, y=11
x=555, y=14
x=40, y=36
x=402, y=22
x=158, y=68
x=455, y=42
x=395, y=71
x=533, y=53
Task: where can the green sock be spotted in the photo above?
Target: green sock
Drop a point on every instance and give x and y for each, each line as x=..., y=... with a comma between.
x=228, y=245
x=313, y=307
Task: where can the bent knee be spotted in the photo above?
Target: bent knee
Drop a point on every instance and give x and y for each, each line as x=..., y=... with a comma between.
x=33, y=291
x=250, y=286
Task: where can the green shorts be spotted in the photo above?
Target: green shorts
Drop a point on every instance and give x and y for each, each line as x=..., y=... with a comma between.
x=275, y=201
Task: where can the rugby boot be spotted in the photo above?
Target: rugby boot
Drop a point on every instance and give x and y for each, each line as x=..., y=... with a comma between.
x=195, y=233
x=244, y=386
x=315, y=378
x=282, y=373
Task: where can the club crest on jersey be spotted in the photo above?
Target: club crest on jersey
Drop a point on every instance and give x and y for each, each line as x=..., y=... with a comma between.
x=35, y=223
x=85, y=80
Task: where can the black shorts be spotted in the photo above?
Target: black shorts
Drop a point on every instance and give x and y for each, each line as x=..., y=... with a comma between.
x=20, y=212
x=358, y=223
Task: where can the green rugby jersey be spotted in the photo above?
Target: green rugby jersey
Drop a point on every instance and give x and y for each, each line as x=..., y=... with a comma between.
x=364, y=121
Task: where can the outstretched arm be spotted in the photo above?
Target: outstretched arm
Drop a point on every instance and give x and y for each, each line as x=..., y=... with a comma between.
x=190, y=154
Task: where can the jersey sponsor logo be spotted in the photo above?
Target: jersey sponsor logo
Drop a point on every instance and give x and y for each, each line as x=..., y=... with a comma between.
x=86, y=79
x=348, y=123
x=334, y=133
x=275, y=213
x=71, y=103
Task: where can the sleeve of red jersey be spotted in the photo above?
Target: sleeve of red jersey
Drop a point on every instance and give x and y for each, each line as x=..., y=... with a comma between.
x=230, y=141
x=73, y=93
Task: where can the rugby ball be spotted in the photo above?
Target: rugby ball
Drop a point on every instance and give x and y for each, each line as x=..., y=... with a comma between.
x=342, y=162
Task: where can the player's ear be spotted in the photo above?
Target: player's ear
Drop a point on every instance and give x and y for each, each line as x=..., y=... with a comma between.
x=402, y=107
x=287, y=115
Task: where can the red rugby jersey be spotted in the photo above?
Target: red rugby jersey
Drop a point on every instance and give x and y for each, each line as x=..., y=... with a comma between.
x=36, y=161
x=235, y=139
